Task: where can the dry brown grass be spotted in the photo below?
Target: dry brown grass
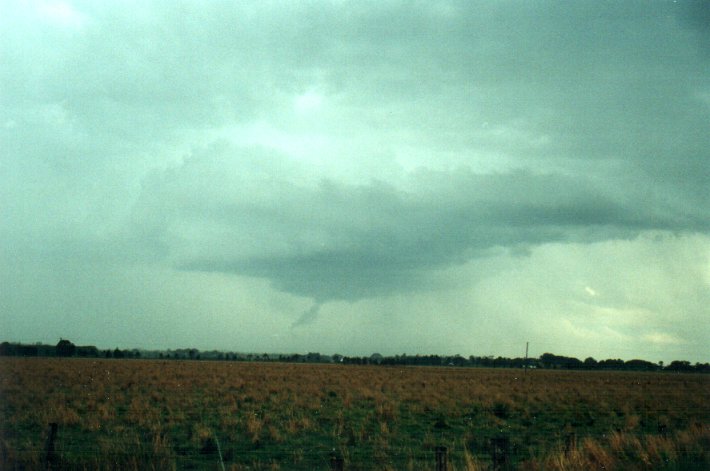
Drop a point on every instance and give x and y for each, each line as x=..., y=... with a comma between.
x=622, y=451
x=123, y=414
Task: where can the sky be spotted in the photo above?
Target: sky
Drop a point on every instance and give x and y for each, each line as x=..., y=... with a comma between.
x=357, y=177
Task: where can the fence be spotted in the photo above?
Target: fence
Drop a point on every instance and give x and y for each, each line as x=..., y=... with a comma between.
x=54, y=459
x=58, y=451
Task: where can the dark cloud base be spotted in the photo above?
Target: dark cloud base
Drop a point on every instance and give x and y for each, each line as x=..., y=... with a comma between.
x=348, y=242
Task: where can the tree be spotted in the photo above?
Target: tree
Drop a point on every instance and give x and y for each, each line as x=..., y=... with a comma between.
x=65, y=348
x=6, y=349
x=640, y=365
x=611, y=364
x=679, y=365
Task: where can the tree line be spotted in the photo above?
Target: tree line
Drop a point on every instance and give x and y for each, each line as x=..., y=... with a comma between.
x=545, y=361
x=65, y=348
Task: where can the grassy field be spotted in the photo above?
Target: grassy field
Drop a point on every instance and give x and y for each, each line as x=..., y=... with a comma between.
x=143, y=414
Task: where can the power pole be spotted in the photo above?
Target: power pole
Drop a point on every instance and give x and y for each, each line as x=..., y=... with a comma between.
x=525, y=366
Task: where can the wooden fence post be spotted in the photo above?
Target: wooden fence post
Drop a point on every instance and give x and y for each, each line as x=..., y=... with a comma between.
x=336, y=463
x=499, y=452
x=441, y=458
x=50, y=457
x=663, y=430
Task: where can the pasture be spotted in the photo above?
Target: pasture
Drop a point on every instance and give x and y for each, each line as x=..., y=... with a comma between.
x=145, y=414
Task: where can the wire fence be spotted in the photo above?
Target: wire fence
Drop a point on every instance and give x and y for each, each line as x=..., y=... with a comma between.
x=501, y=452
x=313, y=458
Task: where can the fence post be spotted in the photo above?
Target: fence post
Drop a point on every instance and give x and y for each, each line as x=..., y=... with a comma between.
x=50, y=456
x=663, y=430
x=440, y=458
x=336, y=463
x=500, y=450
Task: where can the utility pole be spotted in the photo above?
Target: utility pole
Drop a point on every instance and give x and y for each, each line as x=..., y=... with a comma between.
x=525, y=366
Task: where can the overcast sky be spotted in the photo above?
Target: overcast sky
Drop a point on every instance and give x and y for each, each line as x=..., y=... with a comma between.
x=357, y=177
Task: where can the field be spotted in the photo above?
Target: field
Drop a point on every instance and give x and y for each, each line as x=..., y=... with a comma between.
x=144, y=414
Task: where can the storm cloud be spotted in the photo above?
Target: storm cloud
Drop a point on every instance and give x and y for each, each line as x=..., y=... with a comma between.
x=225, y=209
x=383, y=165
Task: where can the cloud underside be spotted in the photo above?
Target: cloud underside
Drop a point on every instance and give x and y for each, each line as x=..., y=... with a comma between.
x=337, y=241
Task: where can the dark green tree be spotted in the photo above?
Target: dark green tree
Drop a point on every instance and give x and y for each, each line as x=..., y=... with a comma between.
x=65, y=348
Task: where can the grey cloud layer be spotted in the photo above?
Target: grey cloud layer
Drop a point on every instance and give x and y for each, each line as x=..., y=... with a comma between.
x=167, y=133
x=130, y=75
x=340, y=241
